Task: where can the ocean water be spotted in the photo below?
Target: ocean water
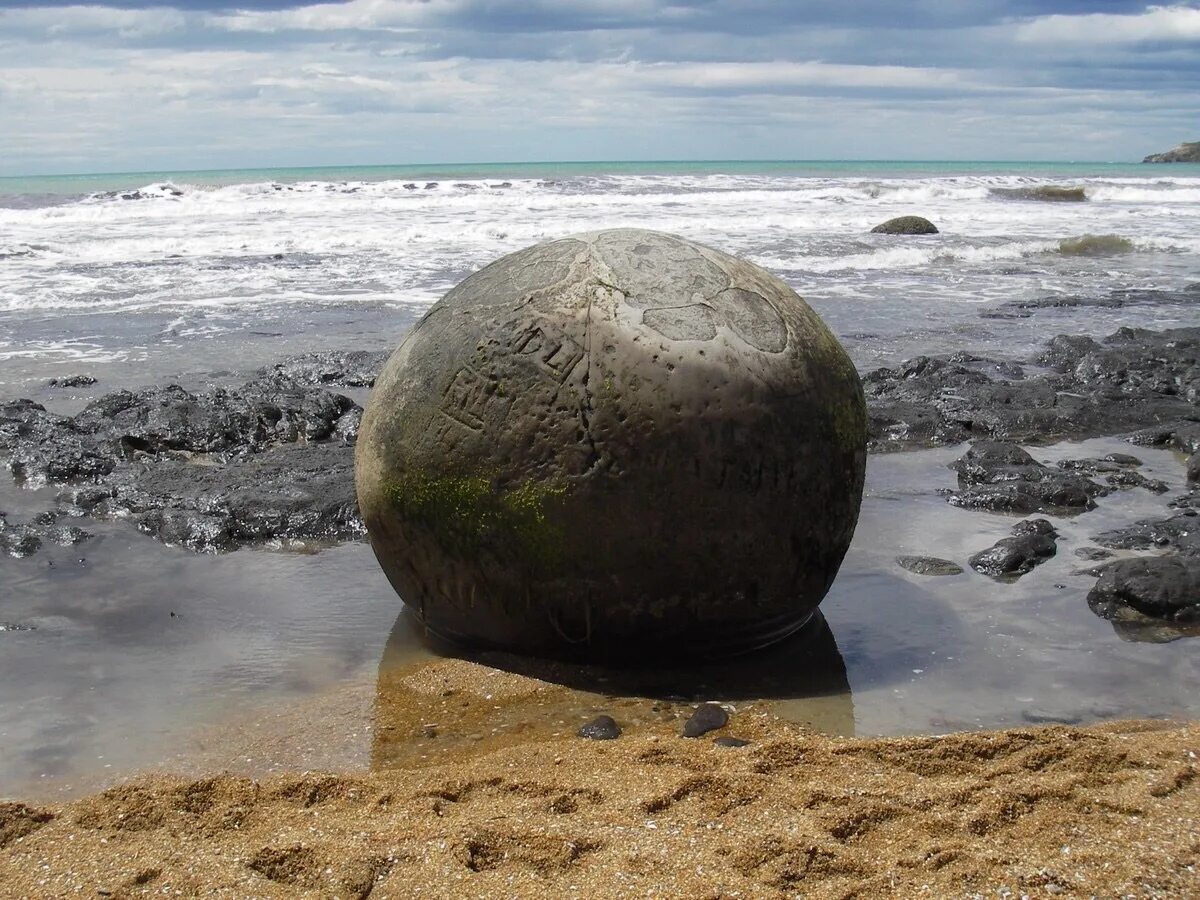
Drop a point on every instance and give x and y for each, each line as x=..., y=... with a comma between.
x=134, y=655
x=130, y=271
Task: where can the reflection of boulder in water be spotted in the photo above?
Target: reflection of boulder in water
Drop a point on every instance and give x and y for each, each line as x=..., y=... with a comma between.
x=1148, y=631
x=455, y=704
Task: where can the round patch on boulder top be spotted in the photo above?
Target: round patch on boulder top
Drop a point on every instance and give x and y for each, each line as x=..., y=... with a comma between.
x=617, y=444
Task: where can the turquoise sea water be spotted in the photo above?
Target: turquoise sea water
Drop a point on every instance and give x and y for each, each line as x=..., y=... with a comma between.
x=69, y=184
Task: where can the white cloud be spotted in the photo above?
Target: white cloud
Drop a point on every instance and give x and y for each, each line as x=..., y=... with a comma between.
x=1157, y=23
x=357, y=14
x=91, y=19
x=782, y=74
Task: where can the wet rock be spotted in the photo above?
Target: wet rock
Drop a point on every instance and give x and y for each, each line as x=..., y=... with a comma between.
x=1133, y=379
x=353, y=368
x=1136, y=479
x=1190, y=500
x=1092, y=554
x=268, y=410
x=288, y=493
x=1112, y=462
x=1117, y=471
x=929, y=565
x=601, y=728
x=1046, y=193
x=1160, y=588
x=905, y=225
x=1193, y=467
x=999, y=476
x=42, y=446
x=1118, y=299
x=19, y=541
x=212, y=470
x=27, y=538
x=1180, y=532
x=1094, y=245
x=1033, y=542
x=707, y=717
x=728, y=741
x=1183, y=436
x=70, y=381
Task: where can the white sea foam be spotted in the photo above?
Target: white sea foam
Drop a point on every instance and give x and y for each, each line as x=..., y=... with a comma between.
x=179, y=247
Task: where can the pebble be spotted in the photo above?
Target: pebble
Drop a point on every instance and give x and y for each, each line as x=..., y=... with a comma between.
x=727, y=741
x=601, y=728
x=707, y=717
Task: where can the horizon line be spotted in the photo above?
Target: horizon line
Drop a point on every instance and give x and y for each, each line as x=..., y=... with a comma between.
x=566, y=162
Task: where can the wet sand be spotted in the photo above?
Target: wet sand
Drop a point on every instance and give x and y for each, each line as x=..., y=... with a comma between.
x=1108, y=810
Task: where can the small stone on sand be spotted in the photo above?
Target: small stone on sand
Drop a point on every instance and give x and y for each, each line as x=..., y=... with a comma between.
x=707, y=717
x=601, y=728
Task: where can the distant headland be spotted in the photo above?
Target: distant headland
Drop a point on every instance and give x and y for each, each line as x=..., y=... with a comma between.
x=1185, y=152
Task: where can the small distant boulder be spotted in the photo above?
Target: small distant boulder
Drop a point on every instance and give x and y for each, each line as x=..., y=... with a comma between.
x=1046, y=193
x=1185, y=153
x=906, y=225
x=1095, y=245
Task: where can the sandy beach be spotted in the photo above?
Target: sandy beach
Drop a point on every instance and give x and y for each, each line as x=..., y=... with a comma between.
x=1104, y=811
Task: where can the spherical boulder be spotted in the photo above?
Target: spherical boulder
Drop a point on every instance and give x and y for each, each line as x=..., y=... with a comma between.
x=906, y=225
x=617, y=444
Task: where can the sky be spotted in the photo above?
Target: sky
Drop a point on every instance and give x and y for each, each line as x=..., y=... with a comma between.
x=120, y=86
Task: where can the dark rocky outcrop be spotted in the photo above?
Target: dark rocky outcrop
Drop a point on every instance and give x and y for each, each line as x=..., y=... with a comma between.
x=905, y=225
x=1133, y=379
x=1154, y=588
x=1152, y=598
x=352, y=368
x=1119, y=299
x=270, y=460
x=294, y=492
x=1002, y=477
x=1032, y=543
x=26, y=538
x=1180, y=532
x=1187, y=152
x=1117, y=470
